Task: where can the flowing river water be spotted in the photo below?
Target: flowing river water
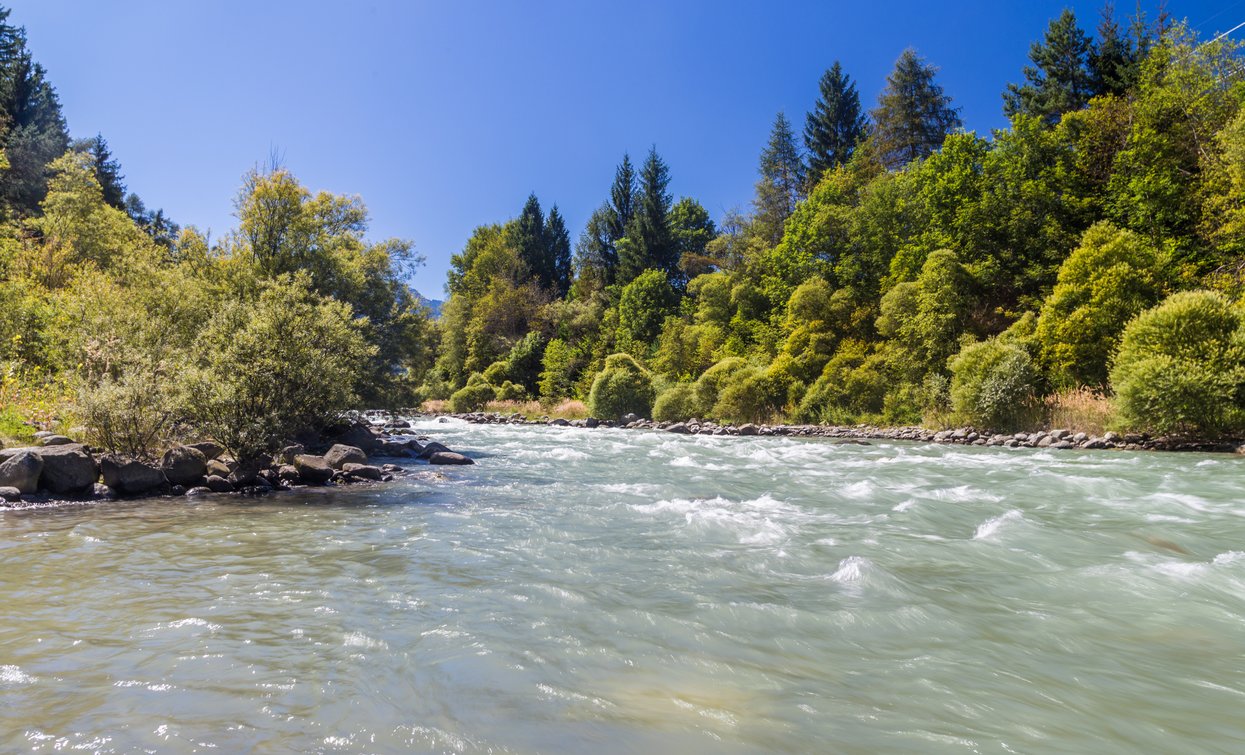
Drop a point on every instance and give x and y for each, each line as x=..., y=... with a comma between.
x=599, y=591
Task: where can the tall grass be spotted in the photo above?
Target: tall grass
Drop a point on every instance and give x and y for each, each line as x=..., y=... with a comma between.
x=1080, y=410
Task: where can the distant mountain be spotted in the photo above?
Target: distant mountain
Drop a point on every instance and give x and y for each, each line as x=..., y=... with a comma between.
x=432, y=304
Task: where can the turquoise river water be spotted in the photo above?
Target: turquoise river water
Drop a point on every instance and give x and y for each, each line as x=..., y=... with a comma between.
x=600, y=591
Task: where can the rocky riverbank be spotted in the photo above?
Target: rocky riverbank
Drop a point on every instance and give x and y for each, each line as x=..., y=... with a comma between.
x=59, y=469
x=1057, y=439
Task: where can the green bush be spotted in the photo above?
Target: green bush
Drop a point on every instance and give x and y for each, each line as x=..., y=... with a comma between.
x=523, y=363
x=509, y=391
x=993, y=385
x=622, y=387
x=676, y=403
x=1181, y=367
x=709, y=386
x=130, y=415
x=1102, y=285
x=472, y=397
x=852, y=386
x=642, y=308
x=495, y=373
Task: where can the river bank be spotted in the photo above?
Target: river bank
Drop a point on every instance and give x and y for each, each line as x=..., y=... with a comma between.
x=1056, y=439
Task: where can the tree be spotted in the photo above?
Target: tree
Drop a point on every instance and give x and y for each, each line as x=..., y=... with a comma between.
x=692, y=229
x=1060, y=80
x=1114, y=59
x=596, y=257
x=530, y=237
x=622, y=198
x=835, y=126
x=642, y=308
x=558, y=253
x=650, y=244
x=107, y=169
x=913, y=113
x=782, y=182
x=37, y=133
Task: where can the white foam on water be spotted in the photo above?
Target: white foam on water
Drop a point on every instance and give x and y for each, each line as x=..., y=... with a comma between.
x=852, y=569
x=361, y=640
x=996, y=524
x=14, y=675
x=754, y=522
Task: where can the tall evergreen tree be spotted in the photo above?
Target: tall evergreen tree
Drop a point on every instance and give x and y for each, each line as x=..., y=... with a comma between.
x=558, y=253
x=913, y=115
x=1114, y=59
x=648, y=243
x=782, y=181
x=1059, y=81
x=622, y=198
x=596, y=256
x=530, y=239
x=835, y=126
x=107, y=169
x=36, y=128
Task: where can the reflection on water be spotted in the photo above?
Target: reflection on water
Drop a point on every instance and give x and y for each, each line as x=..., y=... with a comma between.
x=602, y=591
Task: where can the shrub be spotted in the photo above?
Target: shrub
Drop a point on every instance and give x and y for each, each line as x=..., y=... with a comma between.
x=1181, y=367
x=710, y=384
x=472, y=397
x=130, y=415
x=676, y=403
x=993, y=384
x=622, y=387
x=494, y=374
x=1102, y=285
x=523, y=363
x=509, y=391
x=852, y=385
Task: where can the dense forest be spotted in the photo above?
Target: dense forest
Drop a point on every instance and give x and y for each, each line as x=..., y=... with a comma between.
x=1083, y=266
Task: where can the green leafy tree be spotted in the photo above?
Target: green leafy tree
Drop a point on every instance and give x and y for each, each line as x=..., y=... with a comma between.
x=913, y=113
x=836, y=124
x=691, y=229
x=993, y=385
x=642, y=308
x=622, y=387
x=1060, y=79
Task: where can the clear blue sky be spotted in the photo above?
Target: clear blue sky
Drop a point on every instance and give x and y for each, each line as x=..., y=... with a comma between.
x=444, y=115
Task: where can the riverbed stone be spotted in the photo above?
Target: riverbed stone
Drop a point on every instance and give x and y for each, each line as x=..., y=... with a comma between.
x=313, y=470
x=218, y=468
x=358, y=435
x=449, y=457
x=130, y=476
x=183, y=465
x=55, y=440
x=210, y=449
x=287, y=453
x=218, y=484
x=10, y=494
x=363, y=471
x=21, y=471
x=67, y=470
x=341, y=454
x=431, y=448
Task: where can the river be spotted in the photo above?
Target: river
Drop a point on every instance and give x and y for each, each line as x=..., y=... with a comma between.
x=607, y=591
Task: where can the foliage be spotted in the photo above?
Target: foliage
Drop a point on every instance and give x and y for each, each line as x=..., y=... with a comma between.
x=676, y=403
x=993, y=385
x=623, y=387
x=1181, y=367
x=472, y=397
x=913, y=114
x=836, y=124
x=642, y=308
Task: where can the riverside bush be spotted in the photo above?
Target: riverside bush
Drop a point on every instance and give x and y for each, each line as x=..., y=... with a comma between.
x=709, y=386
x=1181, y=367
x=993, y=384
x=472, y=397
x=622, y=387
x=676, y=403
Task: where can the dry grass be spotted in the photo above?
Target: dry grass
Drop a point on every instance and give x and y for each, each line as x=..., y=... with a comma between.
x=566, y=409
x=1080, y=410
x=435, y=406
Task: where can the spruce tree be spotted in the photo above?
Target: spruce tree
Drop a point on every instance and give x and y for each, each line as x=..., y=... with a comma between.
x=558, y=253
x=648, y=243
x=1059, y=80
x=782, y=181
x=107, y=169
x=622, y=198
x=1114, y=61
x=913, y=115
x=530, y=239
x=835, y=126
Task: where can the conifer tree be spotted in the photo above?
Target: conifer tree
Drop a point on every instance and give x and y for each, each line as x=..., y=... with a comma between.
x=1059, y=81
x=107, y=169
x=648, y=243
x=913, y=115
x=782, y=181
x=622, y=198
x=558, y=253
x=836, y=124
x=1114, y=59
x=530, y=239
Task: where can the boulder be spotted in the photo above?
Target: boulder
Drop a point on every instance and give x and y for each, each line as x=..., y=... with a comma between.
x=218, y=484
x=198, y=491
x=183, y=465
x=21, y=471
x=10, y=494
x=340, y=454
x=448, y=457
x=591, y=423
x=286, y=454
x=628, y=418
x=748, y=429
x=313, y=470
x=358, y=435
x=363, y=471
x=218, y=468
x=67, y=469
x=432, y=447
x=55, y=440
x=209, y=449
x=396, y=448
x=287, y=473
x=559, y=422
x=130, y=476
x=679, y=428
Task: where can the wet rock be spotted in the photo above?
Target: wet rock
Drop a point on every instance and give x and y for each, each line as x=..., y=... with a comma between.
x=341, y=454
x=209, y=449
x=748, y=429
x=358, y=435
x=313, y=470
x=178, y=490
x=559, y=422
x=431, y=448
x=197, y=491
x=130, y=476
x=183, y=465
x=628, y=418
x=394, y=448
x=591, y=423
x=363, y=471
x=448, y=457
x=678, y=428
x=218, y=484
x=10, y=494
x=21, y=471
x=218, y=468
x=286, y=455
x=287, y=473
x=391, y=469
x=101, y=492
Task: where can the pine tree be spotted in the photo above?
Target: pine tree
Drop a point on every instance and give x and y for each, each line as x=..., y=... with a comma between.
x=530, y=239
x=1059, y=81
x=836, y=124
x=622, y=198
x=32, y=112
x=107, y=169
x=596, y=257
x=558, y=252
x=648, y=243
x=1115, y=59
x=782, y=181
x=913, y=115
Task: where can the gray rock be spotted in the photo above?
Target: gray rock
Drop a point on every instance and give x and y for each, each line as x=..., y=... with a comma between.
x=21, y=471
x=1046, y=441
x=209, y=449
x=431, y=448
x=287, y=473
x=748, y=429
x=183, y=465
x=102, y=492
x=313, y=470
x=286, y=455
x=448, y=457
x=363, y=471
x=10, y=494
x=559, y=422
x=197, y=491
x=628, y=418
x=591, y=423
x=67, y=469
x=679, y=428
x=360, y=436
x=130, y=476
x=218, y=468
x=218, y=484
x=340, y=454
x=55, y=440
x=391, y=468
